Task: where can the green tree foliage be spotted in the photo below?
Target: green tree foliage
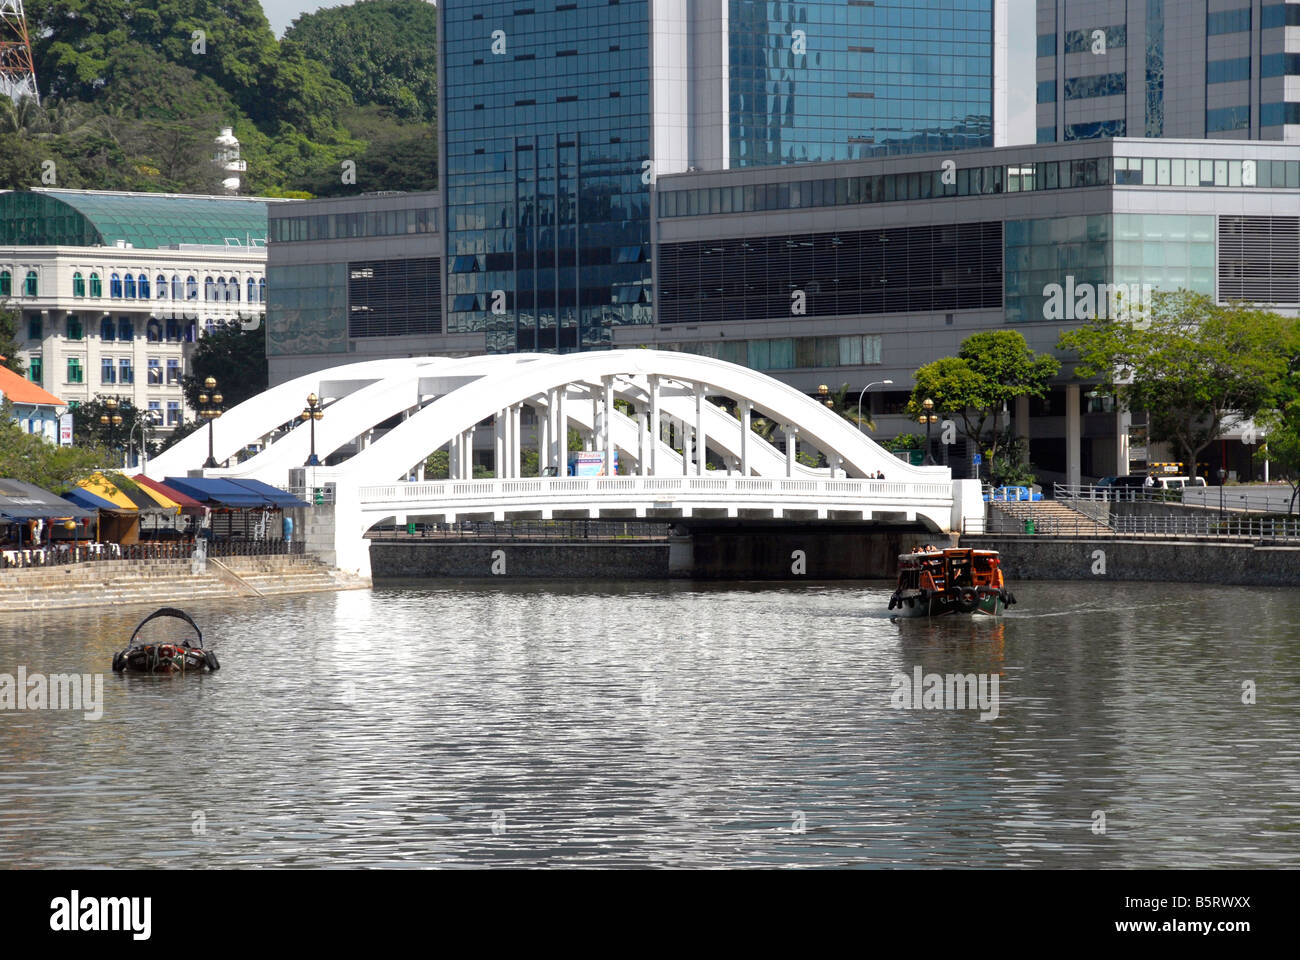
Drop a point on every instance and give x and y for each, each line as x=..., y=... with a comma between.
x=1190, y=363
x=31, y=459
x=384, y=51
x=235, y=357
x=89, y=430
x=991, y=369
x=10, y=318
x=135, y=91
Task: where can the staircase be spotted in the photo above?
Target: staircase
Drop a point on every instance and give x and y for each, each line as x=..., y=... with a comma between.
x=1051, y=517
x=271, y=576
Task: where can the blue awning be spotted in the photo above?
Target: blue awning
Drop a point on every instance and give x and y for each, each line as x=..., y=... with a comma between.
x=20, y=502
x=277, y=496
x=91, y=502
x=218, y=491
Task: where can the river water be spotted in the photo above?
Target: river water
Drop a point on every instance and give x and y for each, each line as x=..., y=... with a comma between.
x=668, y=724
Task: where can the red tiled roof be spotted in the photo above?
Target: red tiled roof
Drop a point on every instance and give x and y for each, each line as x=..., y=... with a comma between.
x=21, y=390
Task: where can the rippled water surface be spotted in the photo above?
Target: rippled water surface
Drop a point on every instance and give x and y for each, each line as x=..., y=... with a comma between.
x=667, y=725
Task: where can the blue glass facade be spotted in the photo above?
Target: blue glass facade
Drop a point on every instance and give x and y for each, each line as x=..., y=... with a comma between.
x=837, y=81
x=546, y=193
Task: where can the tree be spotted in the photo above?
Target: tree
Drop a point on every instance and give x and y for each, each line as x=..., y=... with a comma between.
x=32, y=459
x=1190, y=363
x=88, y=430
x=10, y=318
x=991, y=369
x=1282, y=446
x=235, y=357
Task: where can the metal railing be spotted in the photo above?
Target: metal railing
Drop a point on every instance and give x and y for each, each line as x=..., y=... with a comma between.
x=63, y=554
x=1272, y=500
x=1231, y=528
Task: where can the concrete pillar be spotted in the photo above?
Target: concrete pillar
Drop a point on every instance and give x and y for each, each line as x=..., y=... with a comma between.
x=544, y=437
x=654, y=424
x=701, y=438
x=836, y=462
x=686, y=449
x=514, y=448
x=1073, y=435
x=499, y=436
x=1022, y=417
x=642, y=439
x=746, y=435
x=791, y=448
x=453, y=458
x=607, y=426
x=560, y=434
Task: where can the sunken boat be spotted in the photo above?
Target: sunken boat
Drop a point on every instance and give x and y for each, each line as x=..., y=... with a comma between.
x=183, y=654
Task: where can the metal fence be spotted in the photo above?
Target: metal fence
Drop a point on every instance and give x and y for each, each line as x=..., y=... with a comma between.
x=1224, y=498
x=61, y=554
x=1235, y=528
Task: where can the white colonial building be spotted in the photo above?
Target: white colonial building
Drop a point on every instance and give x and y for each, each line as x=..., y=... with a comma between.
x=114, y=289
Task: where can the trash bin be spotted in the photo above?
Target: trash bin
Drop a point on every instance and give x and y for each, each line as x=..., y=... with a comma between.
x=319, y=496
x=1029, y=526
x=410, y=527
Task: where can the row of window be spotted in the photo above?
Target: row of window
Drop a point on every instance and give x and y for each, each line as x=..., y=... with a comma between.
x=1084, y=41
x=338, y=226
x=789, y=353
x=968, y=181
x=122, y=329
x=113, y=371
x=132, y=287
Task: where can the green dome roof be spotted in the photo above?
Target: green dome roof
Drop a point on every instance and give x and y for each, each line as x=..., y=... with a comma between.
x=148, y=220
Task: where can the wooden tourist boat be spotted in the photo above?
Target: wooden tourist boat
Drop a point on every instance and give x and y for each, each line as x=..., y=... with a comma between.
x=934, y=582
x=170, y=656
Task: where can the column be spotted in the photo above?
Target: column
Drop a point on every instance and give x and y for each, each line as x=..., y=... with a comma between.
x=746, y=435
x=514, y=446
x=1073, y=435
x=544, y=436
x=686, y=449
x=836, y=462
x=1123, y=423
x=642, y=439
x=453, y=458
x=499, y=435
x=791, y=448
x=654, y=425
x=701, y=442
x=607, y=427
x=1022, y=417
x=560, y=433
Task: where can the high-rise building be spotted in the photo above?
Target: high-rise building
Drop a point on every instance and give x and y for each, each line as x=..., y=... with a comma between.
x=557, y=117
x=1216, y=69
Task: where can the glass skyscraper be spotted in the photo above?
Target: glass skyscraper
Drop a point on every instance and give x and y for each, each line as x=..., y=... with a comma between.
x=558, y=116
x=1216, y=69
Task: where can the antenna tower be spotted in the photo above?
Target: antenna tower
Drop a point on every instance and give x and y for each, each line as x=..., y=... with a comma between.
x=17, y=70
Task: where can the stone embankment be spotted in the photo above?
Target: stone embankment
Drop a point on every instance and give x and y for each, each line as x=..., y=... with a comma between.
x=115, y=582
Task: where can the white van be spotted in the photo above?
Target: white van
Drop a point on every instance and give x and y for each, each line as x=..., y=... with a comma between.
x=1178, y=483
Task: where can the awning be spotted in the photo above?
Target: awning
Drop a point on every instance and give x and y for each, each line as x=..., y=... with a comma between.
x=277, y=496
x=20, y=502
x=188, y=505
x=124, y=498
x=91, y=502
x=218, y=491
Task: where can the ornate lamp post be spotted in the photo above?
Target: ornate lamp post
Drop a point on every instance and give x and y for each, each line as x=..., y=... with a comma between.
x=311, y=413
x=864, y=393
x=209, y=409
x=147, y=419
x=928, y=418
x=112, y=421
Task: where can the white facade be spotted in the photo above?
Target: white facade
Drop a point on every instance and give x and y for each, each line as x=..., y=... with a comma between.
x=76, y=303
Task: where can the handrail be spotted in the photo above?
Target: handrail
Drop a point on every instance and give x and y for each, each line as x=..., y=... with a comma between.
x=63, y=554
x=1209, y=498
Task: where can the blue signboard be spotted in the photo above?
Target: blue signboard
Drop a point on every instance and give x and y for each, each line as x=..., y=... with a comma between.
x=977, y=459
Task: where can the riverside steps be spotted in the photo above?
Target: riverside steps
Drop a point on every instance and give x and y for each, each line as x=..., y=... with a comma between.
x=161, y=581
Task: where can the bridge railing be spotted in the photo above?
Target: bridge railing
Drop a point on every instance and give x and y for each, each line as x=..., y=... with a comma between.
x=659, y=487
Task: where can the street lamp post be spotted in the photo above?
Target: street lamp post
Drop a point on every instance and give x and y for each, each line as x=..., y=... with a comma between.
x=863, y=393
x=311, y=413
x=928, y=418
x=149, y=418
x=113, y=421
x=210, y=409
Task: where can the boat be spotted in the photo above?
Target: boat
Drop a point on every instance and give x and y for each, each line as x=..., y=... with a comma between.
x=168, y=656
x=934, y=582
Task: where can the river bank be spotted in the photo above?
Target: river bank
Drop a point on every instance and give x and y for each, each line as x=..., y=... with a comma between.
x=162, y=581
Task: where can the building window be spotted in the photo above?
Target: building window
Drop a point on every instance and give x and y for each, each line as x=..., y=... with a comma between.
x=173, y=331
x=107, y=329
x=1227, y=21
x=115, y=287
x=1101, y=85
x=1227, y=118
x=178, y=290
x=389, y=298
x=173, y=413
x=78, y=285
x=35, y=328
x=74, y=370
x=160, y=287
x=209, y=289
x=252, y=291
x=74, y=331
x=107, y=370
x=144, y=286
x=155, y=372
x=173, y=371
x=96, y=285
x=35, y=371
x=1279, y=15
x=129, y=287
x=261, y=290
x=153, y=331
x=7, y=283
x=1227, y=71
x=125, y=328
x=191, y=288
x=1047, y=44
x=31, y=285
x=232, y=289
x=191, y=332
x=1047, y=91
x=155, y=411
x=125, y=370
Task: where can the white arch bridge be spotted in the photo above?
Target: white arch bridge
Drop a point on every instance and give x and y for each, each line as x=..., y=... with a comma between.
x=685, y=430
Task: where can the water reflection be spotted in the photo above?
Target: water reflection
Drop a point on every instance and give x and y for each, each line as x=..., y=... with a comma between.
x=665, y=724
